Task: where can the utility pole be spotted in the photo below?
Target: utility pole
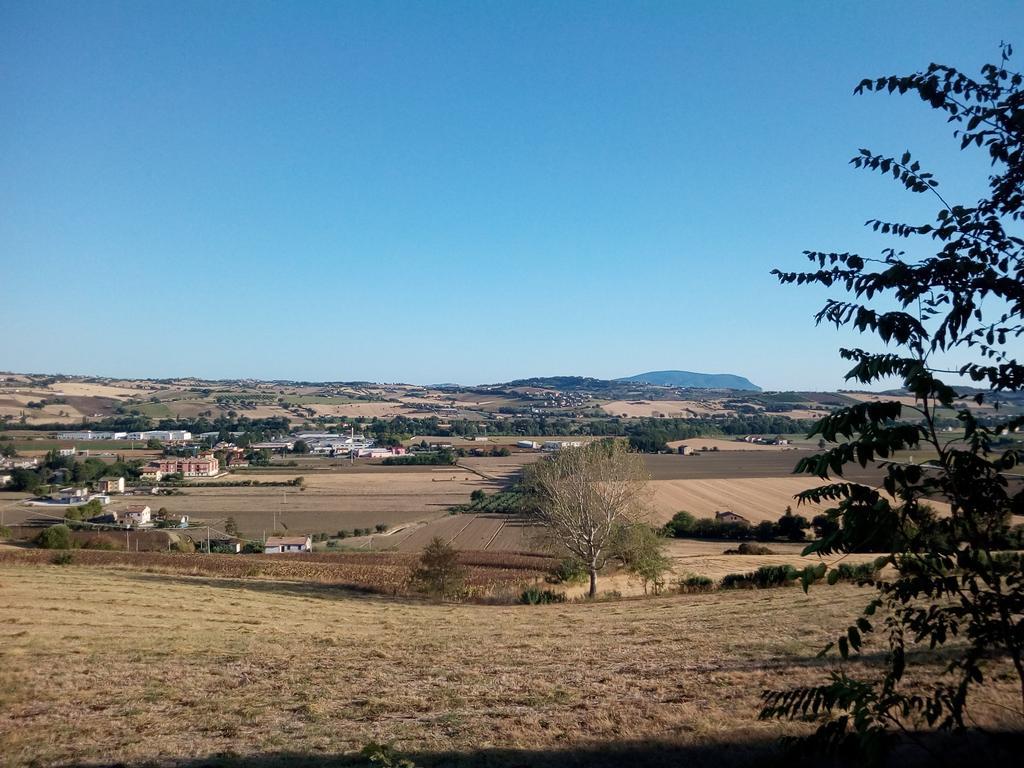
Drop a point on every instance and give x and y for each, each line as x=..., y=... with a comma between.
x=352, y=441
x=207, y=539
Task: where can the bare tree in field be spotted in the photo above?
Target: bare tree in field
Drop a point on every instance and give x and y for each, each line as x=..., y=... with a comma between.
x=582, y=495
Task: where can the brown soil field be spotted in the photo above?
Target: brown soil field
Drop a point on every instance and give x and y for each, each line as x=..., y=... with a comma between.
x=479, y=533
x=727, y=464
x=114, y=667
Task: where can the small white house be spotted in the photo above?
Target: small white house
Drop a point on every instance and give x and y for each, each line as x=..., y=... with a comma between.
x=138, y=515
x=276, y=545
x=74, y=495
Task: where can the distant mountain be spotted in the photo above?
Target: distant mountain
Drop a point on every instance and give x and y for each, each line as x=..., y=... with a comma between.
x=688, y=379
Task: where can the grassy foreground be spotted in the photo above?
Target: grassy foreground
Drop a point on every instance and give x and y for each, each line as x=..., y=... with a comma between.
x=100, y=666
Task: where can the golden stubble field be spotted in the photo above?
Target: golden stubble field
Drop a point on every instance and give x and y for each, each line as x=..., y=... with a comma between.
x=332, y=501
x=132, y=668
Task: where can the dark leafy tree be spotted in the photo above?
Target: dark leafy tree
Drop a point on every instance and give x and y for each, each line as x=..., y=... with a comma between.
x=959, y=296
x=439, y=572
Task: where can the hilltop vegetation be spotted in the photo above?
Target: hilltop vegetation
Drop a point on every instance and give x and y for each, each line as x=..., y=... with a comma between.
x=690, y=380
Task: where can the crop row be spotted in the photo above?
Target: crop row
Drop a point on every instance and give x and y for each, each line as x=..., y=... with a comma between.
x=380, y=573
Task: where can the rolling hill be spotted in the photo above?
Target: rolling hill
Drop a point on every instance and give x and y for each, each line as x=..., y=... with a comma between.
x=689, y=379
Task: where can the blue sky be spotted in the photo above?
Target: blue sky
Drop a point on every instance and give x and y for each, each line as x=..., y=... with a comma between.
x=444, y=191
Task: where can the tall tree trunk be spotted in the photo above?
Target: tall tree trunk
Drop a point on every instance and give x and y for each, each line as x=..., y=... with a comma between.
x=593, y=582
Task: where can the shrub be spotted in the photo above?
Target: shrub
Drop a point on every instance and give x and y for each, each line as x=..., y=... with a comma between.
x=775, y=576
x=537, y=596
x=187, y=546
x=381, y=527
x=738, y=581
x=55, y=537
x=63, y=558
x=101, y=543
x=747, y=548
x=680, y=525
x=570, y=571
x=5, y=532
x=477, y=495
x=693, y=583
x=384, y=755
x=850, y=572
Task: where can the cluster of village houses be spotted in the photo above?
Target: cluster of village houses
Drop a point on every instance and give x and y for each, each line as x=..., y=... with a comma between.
x=203, y=464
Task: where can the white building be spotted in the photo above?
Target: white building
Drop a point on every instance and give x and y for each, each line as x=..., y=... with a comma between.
x=276, y=545
x=88, y=434
x=557, y=445
x=164, y=435
x=74, y=495
x=138, y=515
x=374, y=453
x=530, y=444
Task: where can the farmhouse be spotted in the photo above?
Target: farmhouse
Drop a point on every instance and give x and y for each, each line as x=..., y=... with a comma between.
x=73, y=495
x=731, y=517
x=110, y=485
x=138, y=515
x=278, y=544
x=5, y=480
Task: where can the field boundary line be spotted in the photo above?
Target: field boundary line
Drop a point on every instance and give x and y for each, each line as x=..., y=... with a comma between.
x=485, y=476
x=490, y=541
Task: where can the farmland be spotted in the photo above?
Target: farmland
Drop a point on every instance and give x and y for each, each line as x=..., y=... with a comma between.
x=232, y=671
x=332, y=501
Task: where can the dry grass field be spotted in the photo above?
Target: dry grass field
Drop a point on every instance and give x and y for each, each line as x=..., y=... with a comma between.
x=681, y=409
x=332, y=501
x=756, y=498
x=105, y=667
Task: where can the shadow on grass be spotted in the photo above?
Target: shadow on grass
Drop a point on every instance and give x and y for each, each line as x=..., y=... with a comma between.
x=939, y=750
x=267, y=585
